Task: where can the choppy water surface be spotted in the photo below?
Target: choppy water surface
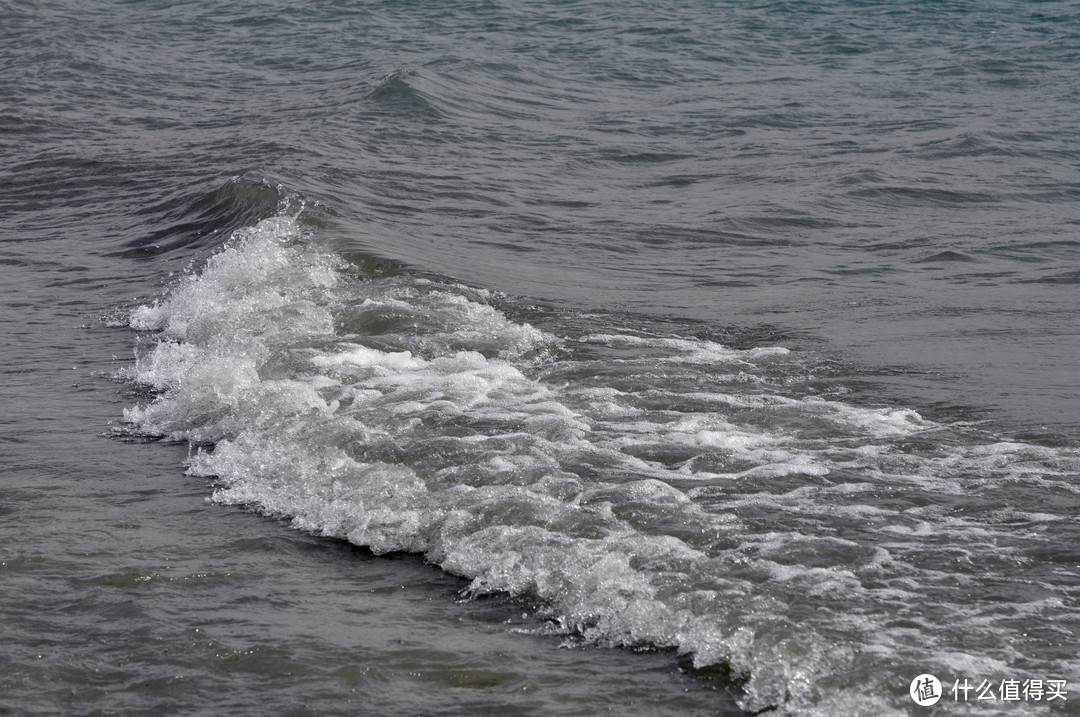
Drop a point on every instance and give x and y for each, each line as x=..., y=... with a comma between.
x=731, y=349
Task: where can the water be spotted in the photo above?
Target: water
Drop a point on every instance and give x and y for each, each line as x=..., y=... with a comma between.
x=654, y=358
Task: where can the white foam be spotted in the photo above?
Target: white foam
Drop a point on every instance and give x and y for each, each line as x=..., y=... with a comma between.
x=405, y=414
x=692, y=351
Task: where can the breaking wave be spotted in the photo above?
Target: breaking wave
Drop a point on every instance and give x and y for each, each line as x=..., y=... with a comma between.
x=648, y=491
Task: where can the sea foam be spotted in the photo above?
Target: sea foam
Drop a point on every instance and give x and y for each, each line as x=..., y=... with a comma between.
x=662, y=507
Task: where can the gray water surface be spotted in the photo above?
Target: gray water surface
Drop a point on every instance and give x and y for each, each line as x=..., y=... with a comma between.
x=638, y=358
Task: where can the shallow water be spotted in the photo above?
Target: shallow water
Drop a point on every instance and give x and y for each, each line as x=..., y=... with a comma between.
x=730, y=349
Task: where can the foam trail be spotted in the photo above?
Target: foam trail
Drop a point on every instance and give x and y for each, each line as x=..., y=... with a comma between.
x=632, y=484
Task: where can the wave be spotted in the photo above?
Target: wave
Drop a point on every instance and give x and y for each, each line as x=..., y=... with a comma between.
x=650, y=491
x=394, y=92
x=199, y=219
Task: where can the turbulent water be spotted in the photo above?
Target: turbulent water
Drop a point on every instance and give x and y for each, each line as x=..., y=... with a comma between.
x=648, y=358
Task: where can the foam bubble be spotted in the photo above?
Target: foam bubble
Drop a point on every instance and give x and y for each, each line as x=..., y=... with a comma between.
x=626, y=482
